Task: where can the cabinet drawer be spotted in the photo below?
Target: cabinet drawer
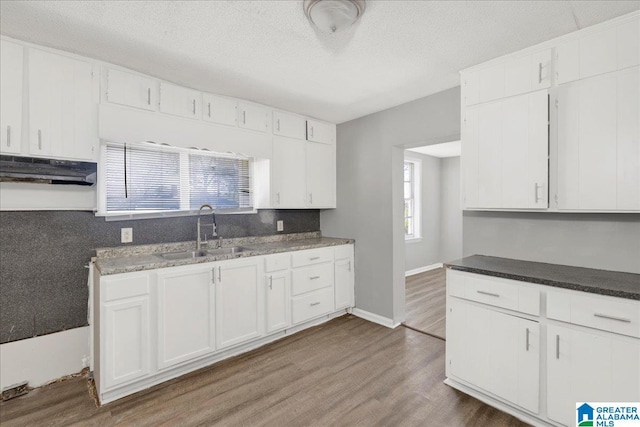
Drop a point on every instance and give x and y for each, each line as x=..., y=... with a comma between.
x=312, y=305
x=276, y=262
x=609, y=314
x=312, y=256
x=124, y=286
x=311, y=278
x=342, y=252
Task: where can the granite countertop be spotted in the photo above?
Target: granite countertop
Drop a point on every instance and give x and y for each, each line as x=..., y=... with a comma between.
x=125, y=259
x=604, y=282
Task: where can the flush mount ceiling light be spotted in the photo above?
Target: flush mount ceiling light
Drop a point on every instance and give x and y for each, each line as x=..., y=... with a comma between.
x=330, y=16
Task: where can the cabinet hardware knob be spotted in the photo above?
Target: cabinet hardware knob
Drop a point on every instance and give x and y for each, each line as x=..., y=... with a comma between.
x=314, y=303
x=606, y=316
x=8, y=136
x=491, y=294
x=557, y=346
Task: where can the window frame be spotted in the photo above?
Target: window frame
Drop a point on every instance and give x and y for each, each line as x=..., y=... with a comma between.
x=184, y=161
x=416, y=188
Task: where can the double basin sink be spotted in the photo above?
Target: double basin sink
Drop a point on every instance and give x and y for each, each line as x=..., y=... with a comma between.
x=204, y=252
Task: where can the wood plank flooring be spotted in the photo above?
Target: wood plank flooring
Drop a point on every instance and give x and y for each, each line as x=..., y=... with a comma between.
x=346, y=372
x=426, y=303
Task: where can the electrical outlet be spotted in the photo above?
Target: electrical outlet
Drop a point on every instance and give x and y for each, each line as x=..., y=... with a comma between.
x=126, y=235
x=280, y=225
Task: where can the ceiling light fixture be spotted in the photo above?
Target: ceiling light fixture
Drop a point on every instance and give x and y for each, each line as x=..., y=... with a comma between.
x=330, y=16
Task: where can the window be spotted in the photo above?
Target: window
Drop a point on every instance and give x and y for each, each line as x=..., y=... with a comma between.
x=151, y=178
x=412, y=178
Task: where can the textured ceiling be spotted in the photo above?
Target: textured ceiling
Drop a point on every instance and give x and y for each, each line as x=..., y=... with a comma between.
x=267, y=52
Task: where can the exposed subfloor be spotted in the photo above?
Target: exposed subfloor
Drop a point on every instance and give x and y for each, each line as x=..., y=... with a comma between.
x=426, y=302
x=345, y=372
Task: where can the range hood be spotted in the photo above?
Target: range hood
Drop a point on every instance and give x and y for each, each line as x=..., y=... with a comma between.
x=46, y=171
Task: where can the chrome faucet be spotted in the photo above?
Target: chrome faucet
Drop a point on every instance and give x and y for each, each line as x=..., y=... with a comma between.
x=214, y=233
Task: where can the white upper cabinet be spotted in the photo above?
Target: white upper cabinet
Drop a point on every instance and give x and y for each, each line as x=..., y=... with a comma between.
x=289, y=125
x=253, y=117
x=614, y=48
x=220, y=109
x=180, y=101
x=132, y=90
x=11, y=76
x=288, y=173
x=599, y=143
x=321, y=175
x=321, y=132
x=505, y=153
x=62, y=107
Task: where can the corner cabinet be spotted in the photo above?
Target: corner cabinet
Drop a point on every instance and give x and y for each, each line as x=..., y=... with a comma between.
x=157, y=324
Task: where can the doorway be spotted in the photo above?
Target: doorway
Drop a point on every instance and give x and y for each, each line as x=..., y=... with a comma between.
x=433, y=232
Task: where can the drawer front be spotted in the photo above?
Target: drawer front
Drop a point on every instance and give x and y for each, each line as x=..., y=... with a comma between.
x=311, y=256
x=307, y=279
x=276, y=262
x=491, y=291
x=617, y=315
x=126, y=285
x=312, y=305
x=342, y=252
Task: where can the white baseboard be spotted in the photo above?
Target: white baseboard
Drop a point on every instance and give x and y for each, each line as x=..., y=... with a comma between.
x=423, y=269
x=43, y=359
x=375, y=318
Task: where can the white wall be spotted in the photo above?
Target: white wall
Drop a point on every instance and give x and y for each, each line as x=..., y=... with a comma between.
x=369, y=192
x=450, y=210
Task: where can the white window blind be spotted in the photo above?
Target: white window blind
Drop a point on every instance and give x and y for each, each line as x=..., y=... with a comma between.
x=148, y=177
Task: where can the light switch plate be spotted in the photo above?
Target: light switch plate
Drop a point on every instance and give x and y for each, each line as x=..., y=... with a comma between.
x=126, y=235
x=280, y=225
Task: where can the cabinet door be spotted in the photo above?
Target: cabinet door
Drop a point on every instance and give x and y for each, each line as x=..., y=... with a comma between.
x=126, y=355
x=321, y=132
x=589, y=367
x=598, y=53
x=628, y=139
x=289, y=125
x=253, y=117
x=490, y=155
x=131, y=90
x=185, y=314
x=529, y=346
x=237, y=302
x=469, y=157
x=11, y=72
x=344, y=279
x=491, y=83
x=470, y=88
x=288, y=173
x=221, y=110
x=527, y=73
x=62, y=110
x=278, y=314
x=321, y=175
x=180, y=101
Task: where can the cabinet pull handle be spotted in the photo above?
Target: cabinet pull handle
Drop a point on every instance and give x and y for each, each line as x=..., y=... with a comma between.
x=314, y=277
x=311, y=131
x=148, y=96
x=606, y=316
x=39, y=139
x=310, y=198
x=209, y=107
x=244, y=117
x=540, y=72
x=278, y=125
x=219, y=274
x=8, y=136
x=535, y=189
x=557, y=346
x=194, y=107
x=314, y=303
x=278, y=197
x=491, y=294
x=313, y=258
x=527, y=346
x=271, y=282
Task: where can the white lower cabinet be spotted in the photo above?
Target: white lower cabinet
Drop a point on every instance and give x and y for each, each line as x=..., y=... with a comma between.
x=161, y=323
x=185, y=314
x=238, y=308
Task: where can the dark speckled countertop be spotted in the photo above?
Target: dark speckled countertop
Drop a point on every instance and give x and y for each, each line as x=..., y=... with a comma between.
x=604, y=282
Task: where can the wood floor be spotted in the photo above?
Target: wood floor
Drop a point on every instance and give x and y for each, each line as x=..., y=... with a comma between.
x=347, y=372
x=426, y=303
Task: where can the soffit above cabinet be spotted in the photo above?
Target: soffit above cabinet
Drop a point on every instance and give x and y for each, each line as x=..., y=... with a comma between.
x=276, y=58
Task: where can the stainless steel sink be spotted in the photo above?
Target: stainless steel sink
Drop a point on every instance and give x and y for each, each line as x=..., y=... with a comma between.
x=203, y=253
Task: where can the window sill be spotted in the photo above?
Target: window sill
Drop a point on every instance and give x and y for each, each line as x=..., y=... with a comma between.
x=413, y=240
x=124, y=216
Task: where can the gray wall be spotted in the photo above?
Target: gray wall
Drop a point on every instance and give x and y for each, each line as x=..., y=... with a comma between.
x=450, y=210
x=369, y=177
x=43, y=281
x=427, y=250
x=602, y=241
